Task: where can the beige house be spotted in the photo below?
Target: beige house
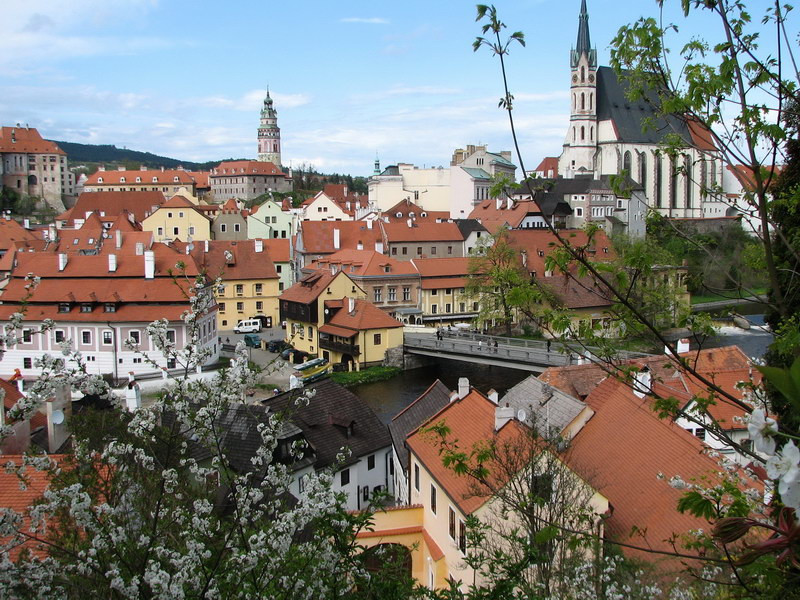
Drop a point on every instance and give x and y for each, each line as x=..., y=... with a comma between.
x=178, y=219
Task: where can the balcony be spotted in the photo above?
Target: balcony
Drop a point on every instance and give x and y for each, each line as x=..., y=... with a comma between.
x=326, y=343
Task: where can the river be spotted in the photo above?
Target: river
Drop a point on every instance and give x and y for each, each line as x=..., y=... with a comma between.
x=387, y=398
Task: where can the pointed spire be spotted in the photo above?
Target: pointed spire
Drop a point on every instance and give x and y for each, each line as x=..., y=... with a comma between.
x=583, y=44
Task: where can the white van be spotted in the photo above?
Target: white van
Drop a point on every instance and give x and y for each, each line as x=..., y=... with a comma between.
x=248, y=326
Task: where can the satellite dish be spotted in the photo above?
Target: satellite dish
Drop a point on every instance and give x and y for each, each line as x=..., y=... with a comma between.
x=521, y=415
x=58, y=417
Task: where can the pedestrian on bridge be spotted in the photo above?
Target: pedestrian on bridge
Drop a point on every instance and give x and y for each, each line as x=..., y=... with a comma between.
x=548, y=346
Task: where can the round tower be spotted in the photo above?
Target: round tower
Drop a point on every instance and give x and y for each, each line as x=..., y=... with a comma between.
x=269, y=134
x=580, y=144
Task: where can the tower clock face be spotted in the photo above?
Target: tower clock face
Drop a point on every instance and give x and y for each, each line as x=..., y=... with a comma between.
x=591, y=78
x=574, y=79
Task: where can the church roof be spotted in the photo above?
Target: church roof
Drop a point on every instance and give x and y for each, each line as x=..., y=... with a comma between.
x=628, y=116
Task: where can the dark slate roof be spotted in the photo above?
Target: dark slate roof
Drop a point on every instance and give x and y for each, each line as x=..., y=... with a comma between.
x=467, y=226
x=325, y=419
x=546, y=408
x=391, y=170
x=628, y=116
x=553, y=204
x=432, y=400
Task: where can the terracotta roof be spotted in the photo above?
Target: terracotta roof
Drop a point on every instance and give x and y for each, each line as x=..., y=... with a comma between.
x=114, y=177
x=746, y=177
x=365, y=316
x=441, y=267
x=702, y=139
x=428, y=232
x=340, y=331
x=245, y=167
x=317, y=236
x=139, y=204
x=278, y=249
x=10, y=398
x=245, y=263
x=177, y=201
x=539, y=243
x=471, y=420
x=493, y=218
x=364, y=263
x=549, y=163
x=580, y=292
x=200, y=179
x=309, y=287
x=20, y=498
x=405, y=207
x=26, y=140
x=126, y=313
x=11, y=231
x=443, y=283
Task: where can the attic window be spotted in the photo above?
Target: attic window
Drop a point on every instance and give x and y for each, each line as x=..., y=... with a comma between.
x=75, y=241
x=91, y=240
x=99, y=180
x=387, y=269
x=175, y=179
x=122, y=180
x=540, y=252
x=155, y=179
x=138, y=180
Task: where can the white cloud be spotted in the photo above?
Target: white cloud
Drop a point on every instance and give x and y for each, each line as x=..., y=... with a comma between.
x=367, y=20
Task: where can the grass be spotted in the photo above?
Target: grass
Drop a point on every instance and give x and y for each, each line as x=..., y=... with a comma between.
x=370, y=375
x=701, y=298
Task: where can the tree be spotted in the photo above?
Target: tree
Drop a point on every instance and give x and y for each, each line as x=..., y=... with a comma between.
x=152, y=503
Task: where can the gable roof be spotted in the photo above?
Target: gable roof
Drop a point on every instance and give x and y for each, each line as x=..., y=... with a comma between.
x=441, y=267
x=546, y=408
x=365, y=316
x=318, y=235
x=539, y=243
x=147, y=176
x=229, y=168
x=324, y=421
x=278, y=249
x=310, y=287
x=245, y=262
x=364, y=263
x=422, y=232
x=430, y=402
x=139, y=204
x=11, y=231
x=26, y=140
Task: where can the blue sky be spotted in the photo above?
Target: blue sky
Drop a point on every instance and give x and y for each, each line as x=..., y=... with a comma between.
x=186, y=79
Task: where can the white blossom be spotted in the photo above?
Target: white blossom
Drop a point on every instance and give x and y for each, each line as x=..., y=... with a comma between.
x=761, y=429
x=784, y=468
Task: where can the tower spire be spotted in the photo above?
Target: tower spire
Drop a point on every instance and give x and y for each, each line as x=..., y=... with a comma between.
x=583, y=45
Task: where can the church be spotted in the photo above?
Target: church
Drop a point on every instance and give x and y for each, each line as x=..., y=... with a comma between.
x=606, y=137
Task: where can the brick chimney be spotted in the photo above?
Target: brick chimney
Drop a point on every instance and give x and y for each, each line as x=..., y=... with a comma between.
x=463, y=387
x=336, y=240
x=259, y=245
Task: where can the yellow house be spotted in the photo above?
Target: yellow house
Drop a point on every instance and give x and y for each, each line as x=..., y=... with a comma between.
x=302, y=306
x=178, y=219
x=250, y=283
x=357, y=333
x=433, y=527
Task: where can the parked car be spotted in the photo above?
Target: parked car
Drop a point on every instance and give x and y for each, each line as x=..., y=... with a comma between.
x=298, y=356
x=278, y=345
x=252, y=340
x=248, y=326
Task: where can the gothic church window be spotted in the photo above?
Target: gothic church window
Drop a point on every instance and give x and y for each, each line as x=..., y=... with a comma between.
x=658, y=181
x=626, y=163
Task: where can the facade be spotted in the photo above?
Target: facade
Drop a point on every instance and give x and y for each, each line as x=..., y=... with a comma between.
x=269, y=220
x=606, y=137
x=178, y=219
x=405, y=241
x=323, y=208
x=229, y=222
x=269, y=134
x=280, y=254
x=429, y=188
x=249, y=288
x=443, y=297
x=98, y=302
x=33, y=166
x=247, y=179
x=478, y=157
x=318, y=239
x=167, y=181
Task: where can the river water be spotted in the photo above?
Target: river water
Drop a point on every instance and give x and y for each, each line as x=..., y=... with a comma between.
x=387, y=398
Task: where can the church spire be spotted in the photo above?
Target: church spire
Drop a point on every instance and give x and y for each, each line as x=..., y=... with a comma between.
x=269, y=134
x=584, y=44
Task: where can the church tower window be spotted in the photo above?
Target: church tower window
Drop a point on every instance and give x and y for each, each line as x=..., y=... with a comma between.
x=583, y=132
x=658, y=181
x=583, y=101
x=583, y=73
x=643, y=171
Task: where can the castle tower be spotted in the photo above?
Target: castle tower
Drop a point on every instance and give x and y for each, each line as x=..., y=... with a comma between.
x=580, y=144
x=269, y=134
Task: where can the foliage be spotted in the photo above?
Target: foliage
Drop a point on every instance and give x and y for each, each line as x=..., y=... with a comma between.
x=369, y=375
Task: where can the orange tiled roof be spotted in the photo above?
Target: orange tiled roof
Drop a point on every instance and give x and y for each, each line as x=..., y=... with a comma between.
x=246, y=263
x=147, y=176
x=539, y=243
x=26, y=140
x=364, y=263
x=139, y=204
x=126, y=313
x=471, y=420
x=318, y=235
x=422, y=232
x=309, y=287
x=493, y=218
x=365, y=316
x=245, y=167
x=177, y=201
x=549, y=163
x=278, y=249
x=443, y=283
x=441, y=267
x=200, y=179
x=11, y=231
x=405, y=207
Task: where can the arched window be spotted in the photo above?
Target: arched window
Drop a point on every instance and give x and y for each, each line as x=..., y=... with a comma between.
x=657, y=183
x=703, y=180
x=583, y=101
x=573, y=134
x=626, y=164
x=673, y=184
x=583, y=133
x=583, y=74
x=688, y=188
x=591, y=100
x=32, y=180
x=712, y=179
x=643, y=171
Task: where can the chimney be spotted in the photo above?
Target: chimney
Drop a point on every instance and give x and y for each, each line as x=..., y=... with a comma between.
x=498, y=203
x=493, y=396
x=502, y=415
x=509, y=203
x=409, y=222
x=51, y=233
x=112, y=263
x=351, y=305
x=369, y=223
x=259, y=245
x=463, y=387
x=58, y=410
x=336, y=239
x=149, y=264
x=206, y=245
x=683, y=345
x=101, y=168
x=62, y=261
x=642, y=382
x=118, y=238
x=133, y=395
x=139, y=248
x=142, y=168
x=453, y=396
x=26, y=223
x=121, y=168
x=379, y=247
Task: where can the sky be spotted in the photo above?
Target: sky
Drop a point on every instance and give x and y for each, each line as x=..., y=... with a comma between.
x=350, y=80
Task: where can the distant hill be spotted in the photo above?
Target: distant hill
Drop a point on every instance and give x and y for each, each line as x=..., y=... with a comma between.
x=106, y=153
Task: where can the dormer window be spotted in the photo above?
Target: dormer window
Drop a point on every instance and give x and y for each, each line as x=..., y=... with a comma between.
x=86, y=308
x=175, y=179
x=63, y=307
x=122, y=180
x=109, y=307
x=99, y=180
x=387, y=269
x=138, y=180
x=155, y=179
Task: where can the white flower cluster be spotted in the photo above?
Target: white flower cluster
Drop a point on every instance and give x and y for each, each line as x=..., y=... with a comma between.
x=783, y=465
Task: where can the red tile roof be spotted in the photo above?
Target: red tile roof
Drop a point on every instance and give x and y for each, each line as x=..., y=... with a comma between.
x=444, y=283
x=26, y=140
x=365, y=316
x=245, y=167
x=318, y=235
x=139, y=204
x=309, y=287
x=177, y=201
x=147, y=176
x=364, y=263
x=549, y=164
x=405, y=207
x=580, y=292
x=11, y=231
x=539, y=243
x=441, y=267
x=278, y=249
x=200, y=179
x=246, y=263
x=471, y=421
x=493, y=218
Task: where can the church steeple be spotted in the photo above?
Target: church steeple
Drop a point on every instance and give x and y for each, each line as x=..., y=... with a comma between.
x=269, y=134
x=584, y=44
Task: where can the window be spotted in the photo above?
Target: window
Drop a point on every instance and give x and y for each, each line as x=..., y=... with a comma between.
x=109, y=307
x=434, y=309
x=237, y=227
x=221, y=307
x=376, y=339
x=58, y=335
x=447, y=308
x=344, y=477
x=416, y=476
x=86, y=337
x=394, y=250
x=191, y=230
x=419, y=250
x=406, y=293
x=433, y=499
x=378, y=294
x=175, y=231
x=259, y=306
x=223, y=228
x=433, y=250
x=240, y=307
x=63, y=307
x=239, y=289
x=449, y=249
x=370, y=462
x=405, y=250
x=27, y=363
x=278, y=268
x=27, y=336
x=160, y=232
x=578, y=211
x=462, y=536
x=108, y=337
x=259, y=289
x=451, y=523
x=434, y=292
x=171, y=336
x=180, y=214
x=86, y=308
x=310, y=333
x=392, y=294
x=700, y=432
x=135, y=337
x=448, y=291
